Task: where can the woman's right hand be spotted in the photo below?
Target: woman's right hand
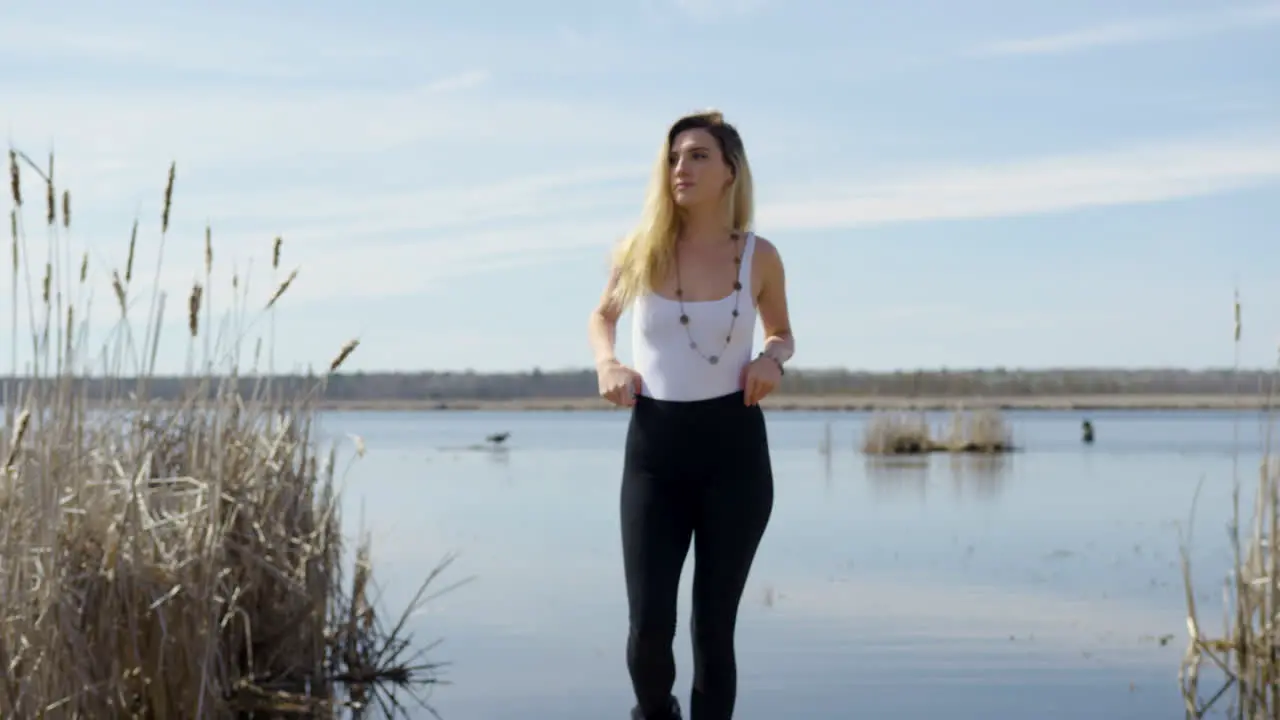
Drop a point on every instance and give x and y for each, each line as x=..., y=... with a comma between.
x=619, y=384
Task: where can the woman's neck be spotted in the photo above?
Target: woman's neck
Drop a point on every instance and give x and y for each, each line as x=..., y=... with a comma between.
x=705, y=228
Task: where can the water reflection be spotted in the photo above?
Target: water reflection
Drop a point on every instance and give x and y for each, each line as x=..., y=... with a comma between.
x=981, y=477
x=891, y=478
x=825, y=449
x=978, y=477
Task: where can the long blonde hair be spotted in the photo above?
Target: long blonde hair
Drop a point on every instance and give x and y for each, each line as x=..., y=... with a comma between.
x=644, y=258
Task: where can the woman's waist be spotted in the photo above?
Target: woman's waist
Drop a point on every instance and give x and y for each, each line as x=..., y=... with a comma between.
x=726, y=411
x=730, y=401
x=702, y=393
x=718, y=424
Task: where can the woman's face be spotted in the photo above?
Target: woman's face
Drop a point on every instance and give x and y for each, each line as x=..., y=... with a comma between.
x=699, y=172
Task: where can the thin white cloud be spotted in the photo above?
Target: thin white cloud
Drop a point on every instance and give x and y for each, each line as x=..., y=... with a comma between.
x=248, y=52
x=119, y=144
x=378, y=192
x=947, y=319
x=1135, y=32
x=356, y=241
x=1145, y=173
x=717, y=9
x=378, y=244
x=337, y=208
x=461, y=81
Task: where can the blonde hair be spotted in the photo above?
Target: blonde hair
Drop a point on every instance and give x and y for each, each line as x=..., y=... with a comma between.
x=645, y=257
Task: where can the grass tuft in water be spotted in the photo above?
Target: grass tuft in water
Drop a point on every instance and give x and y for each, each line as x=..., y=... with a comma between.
x=1247, y=654
x=982, y=431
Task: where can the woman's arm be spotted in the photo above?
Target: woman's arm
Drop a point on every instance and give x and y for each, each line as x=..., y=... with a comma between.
x=602, y=325
x=771, y=302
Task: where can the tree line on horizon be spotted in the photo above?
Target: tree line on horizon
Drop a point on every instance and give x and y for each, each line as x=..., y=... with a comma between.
x=999, y=382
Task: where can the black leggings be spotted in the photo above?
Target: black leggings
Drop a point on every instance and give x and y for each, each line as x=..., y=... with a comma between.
x=691, y=470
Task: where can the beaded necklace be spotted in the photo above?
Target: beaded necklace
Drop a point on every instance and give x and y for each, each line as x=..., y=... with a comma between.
x=737, y=295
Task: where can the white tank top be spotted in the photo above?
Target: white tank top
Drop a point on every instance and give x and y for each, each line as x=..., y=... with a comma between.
x=669, y=368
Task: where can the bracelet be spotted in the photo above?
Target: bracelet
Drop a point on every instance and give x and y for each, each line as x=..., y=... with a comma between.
x=776, y=361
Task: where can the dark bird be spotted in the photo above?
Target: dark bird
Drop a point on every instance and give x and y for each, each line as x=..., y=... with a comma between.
x=1086, y=429
x=498, y=438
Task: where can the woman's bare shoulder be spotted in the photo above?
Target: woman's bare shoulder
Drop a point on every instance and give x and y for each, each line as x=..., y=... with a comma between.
x=767, y=251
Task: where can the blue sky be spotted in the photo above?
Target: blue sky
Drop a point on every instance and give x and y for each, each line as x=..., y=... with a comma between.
x=951, y=183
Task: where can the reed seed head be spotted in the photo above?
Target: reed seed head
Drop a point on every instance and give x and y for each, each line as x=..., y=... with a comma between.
x=15, y=440
x=66, y=208
x=133, y=245
x=345, y=352
x=208, y=249
x=280, y=290
x=15, y=178
x=168, y=198
x=51, y=197
x=84, y=267
x=118, y=288
x=193, y=310
x=275, y=252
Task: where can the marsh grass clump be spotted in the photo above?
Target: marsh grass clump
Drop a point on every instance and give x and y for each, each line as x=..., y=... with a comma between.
x=897, y=434
x=177, y=557
x=983, y=431
x=1247, y=653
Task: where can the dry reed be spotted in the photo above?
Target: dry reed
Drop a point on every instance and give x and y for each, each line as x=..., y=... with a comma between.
x=897, y=434
x=983, y=431
x=1247, y=655
x=979, y=431
x=174, y=559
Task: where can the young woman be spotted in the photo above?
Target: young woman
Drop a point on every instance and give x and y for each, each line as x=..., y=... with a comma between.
x=697, y=465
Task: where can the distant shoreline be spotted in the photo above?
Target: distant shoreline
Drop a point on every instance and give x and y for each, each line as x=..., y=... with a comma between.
x=815, y=389
x=835, y=403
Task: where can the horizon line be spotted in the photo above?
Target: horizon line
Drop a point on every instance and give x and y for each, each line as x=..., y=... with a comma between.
x=573, y=370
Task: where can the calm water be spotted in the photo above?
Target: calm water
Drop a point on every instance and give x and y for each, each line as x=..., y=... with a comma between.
x=1034, y=587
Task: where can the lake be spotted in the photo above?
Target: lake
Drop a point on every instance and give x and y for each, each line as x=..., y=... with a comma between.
x=1036, y=586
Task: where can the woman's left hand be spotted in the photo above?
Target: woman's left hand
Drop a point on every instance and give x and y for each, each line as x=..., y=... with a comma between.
x=761, y=378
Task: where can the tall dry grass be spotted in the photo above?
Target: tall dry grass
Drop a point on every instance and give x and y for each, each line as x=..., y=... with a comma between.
x=1247, y=653
x=897, y=434
x=981, y=431
x=179, y=558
